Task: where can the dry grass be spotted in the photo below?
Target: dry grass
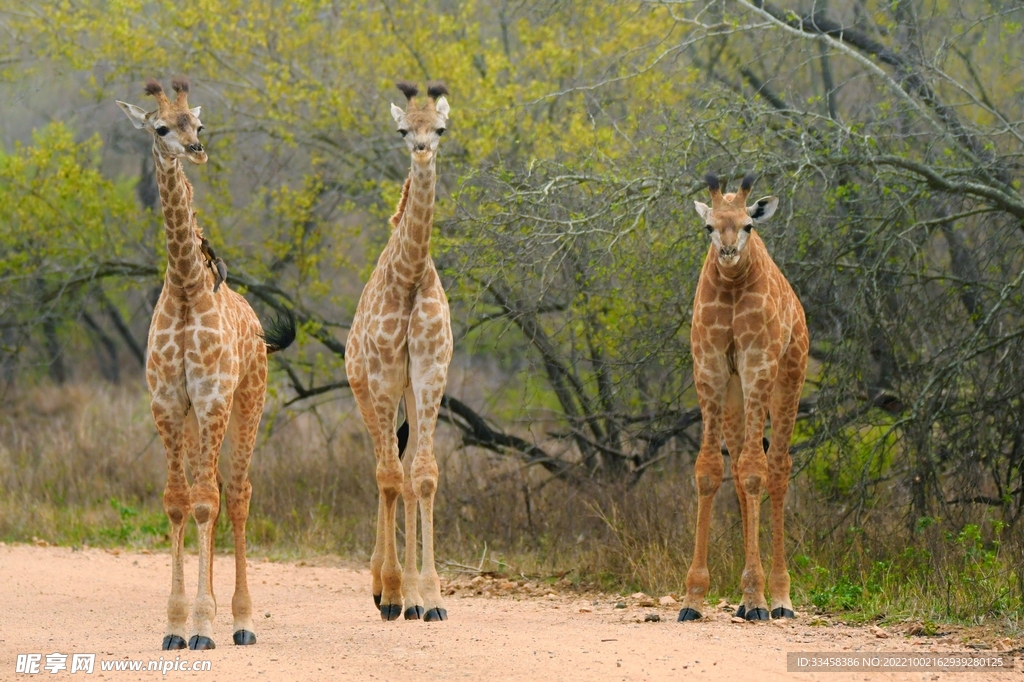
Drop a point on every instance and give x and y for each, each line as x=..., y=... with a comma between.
x=82, y=464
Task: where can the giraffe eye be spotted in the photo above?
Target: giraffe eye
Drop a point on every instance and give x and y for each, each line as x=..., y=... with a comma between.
x=403, y=133
x=747, y=228
x=199, y=129
x=162, y=130
x=709, y=229
x=440, y=132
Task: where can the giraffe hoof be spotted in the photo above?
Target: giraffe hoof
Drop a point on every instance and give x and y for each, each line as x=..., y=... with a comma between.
x=200, y=643
x=741, y=611
x=687, y=613
x=757, y=614
x=414, y=612
x=436, y=613
x=244, y=638
x=783, y=612
x=376, y=600
x=390, y=612
x=172, y=642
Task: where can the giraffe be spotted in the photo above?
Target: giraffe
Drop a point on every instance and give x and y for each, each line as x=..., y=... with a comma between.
x=749, y=341
x=399, y=346
x=206, y=368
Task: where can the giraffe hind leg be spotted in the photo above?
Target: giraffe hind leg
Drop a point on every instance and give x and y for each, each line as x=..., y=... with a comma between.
x=733, y=429
x=407, y=440
x=783, y=408
x=243, y=428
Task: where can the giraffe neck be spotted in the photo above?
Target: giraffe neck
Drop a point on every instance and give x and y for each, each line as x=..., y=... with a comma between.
x=413, y=230
x=184, y=260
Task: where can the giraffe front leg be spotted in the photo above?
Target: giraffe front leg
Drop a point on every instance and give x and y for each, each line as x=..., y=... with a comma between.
x=205, y=496
x=177, y=506
x=709, y=471
x=390, y=478
x=711, y=376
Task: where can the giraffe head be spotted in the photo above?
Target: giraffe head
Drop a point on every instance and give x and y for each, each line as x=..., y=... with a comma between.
x=175, y=127
x=729, y=220
x=422, y=123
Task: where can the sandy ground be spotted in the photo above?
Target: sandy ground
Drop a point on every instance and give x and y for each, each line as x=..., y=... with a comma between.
x=317, y=622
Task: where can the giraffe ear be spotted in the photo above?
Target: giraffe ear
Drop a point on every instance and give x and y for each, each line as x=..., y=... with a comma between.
x=397, y=113
x=763, y=209
x=135, y=114
x=195, y=111
x=702, y=210
x=441, y=107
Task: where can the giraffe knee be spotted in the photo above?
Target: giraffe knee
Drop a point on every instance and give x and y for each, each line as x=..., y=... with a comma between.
x=390, y=479
x=177, y=504
x=708, y=484
x=205, y=502
x=754, y=484
x=426, y=486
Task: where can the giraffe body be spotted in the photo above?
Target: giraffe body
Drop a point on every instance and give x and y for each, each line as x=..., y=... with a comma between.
x=206, y=368
x=399, y=347
x=749, y=341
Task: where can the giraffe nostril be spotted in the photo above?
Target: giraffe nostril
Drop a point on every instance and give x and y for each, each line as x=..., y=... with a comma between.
x=197, y=147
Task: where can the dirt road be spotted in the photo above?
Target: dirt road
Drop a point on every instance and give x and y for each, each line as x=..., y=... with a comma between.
x=318, y=623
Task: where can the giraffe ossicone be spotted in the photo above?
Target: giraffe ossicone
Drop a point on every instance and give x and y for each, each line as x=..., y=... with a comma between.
x=749, y=341
x=206, y=368
x=398, y=348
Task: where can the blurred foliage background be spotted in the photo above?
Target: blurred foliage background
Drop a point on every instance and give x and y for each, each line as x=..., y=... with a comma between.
x=893, y=133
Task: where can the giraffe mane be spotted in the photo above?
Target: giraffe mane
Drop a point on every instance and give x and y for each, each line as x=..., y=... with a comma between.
x=400, y=211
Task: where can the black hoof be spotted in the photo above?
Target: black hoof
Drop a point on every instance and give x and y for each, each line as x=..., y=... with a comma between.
x=200, y=643
x=687, y=613
x=376, y=600
x=390, y=611
x=757, y=614
x=172, y=642
x=436, y=613
x=244, y=638
x=414, y=612
x=783, y=612
x=741, y=611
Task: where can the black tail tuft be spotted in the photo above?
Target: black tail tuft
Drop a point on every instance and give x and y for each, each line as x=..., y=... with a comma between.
x=403, y=437
x=281, y=332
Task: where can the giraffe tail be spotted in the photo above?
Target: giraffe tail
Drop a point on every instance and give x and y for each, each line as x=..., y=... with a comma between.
x=281, y=332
